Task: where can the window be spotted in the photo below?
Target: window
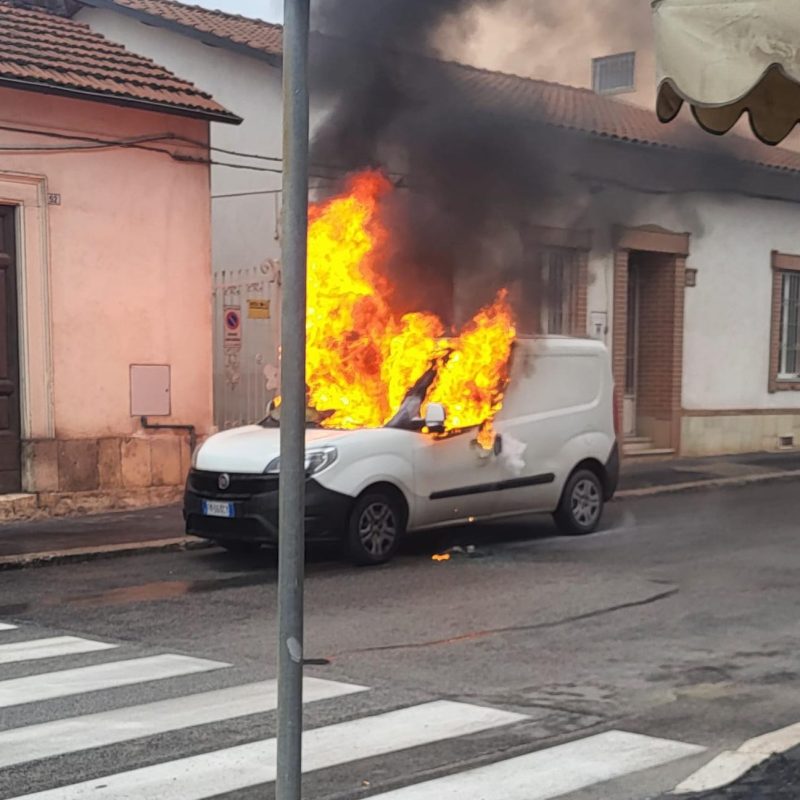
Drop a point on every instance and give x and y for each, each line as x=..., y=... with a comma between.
x=551, y=293
x=789, y=355
x=784, y=357
x=559, y=270
x=614, y=74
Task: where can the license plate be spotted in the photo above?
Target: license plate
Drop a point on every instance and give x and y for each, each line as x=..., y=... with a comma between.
x=213, y=508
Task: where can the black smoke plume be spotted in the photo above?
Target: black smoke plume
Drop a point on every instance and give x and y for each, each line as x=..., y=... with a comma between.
x=481, y=165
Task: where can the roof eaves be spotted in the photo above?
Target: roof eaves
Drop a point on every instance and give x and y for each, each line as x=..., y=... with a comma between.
x=121, y=100
x=211, y=39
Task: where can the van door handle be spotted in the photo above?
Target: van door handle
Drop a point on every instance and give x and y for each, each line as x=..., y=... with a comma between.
x=498, y=444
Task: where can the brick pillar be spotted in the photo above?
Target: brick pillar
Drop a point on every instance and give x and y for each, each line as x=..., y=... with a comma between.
x=679, y=268
x=620, y=322
x=581, y=300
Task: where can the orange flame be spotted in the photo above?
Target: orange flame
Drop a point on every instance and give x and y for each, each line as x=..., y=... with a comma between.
x=362, y=358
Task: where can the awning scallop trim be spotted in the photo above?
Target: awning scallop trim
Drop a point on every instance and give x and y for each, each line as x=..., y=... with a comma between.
x=726, y=58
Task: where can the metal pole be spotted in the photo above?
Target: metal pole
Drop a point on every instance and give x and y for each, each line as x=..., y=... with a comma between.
x=291, y=500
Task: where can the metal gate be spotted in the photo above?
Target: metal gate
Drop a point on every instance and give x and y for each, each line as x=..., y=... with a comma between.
x=246, y=343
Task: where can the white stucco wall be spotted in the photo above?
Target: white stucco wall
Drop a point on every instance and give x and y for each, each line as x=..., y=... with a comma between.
x=727, y=315
x=123, y=261
x=245, y=227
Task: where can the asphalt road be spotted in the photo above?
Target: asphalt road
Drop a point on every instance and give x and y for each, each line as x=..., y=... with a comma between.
x=678, y=621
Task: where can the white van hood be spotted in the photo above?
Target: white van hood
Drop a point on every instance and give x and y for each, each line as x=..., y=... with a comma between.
x=250, y=449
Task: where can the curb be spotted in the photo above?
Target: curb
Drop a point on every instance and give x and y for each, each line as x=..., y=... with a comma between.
x=710, y=483
x=92, y=553
x=177, y=543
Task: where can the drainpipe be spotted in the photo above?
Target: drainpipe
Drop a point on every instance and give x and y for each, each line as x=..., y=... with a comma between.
x=190, y=429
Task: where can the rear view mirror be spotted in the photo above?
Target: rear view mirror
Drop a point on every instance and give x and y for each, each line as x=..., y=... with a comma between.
x=434, y=417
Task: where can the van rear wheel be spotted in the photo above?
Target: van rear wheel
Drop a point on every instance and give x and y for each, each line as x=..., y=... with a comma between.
x=581, y=504
x=374, y=529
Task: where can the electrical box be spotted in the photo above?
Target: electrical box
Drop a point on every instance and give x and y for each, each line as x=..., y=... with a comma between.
x=150, y=390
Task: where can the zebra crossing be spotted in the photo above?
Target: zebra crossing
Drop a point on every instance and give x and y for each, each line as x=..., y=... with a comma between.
x=370, y=735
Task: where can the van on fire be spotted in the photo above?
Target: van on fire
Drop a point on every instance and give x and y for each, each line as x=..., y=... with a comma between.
x=553, y=449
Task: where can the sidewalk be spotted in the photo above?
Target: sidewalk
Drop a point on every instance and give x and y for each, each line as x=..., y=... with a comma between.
x=641, y=478
x=103, y=535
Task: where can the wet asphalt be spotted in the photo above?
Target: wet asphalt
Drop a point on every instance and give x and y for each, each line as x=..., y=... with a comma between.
x=678, y=620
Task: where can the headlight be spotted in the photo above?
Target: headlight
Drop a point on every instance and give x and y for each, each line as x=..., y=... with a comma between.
x=316, y=461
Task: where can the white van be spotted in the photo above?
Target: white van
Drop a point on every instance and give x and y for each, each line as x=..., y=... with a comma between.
x=555, y=452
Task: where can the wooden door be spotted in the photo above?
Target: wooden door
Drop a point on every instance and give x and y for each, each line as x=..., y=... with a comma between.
x=10, y=473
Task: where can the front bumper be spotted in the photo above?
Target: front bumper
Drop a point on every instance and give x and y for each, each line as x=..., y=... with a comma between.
x=254, y=500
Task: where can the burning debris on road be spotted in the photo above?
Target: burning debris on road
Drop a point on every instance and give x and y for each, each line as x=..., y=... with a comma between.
x=363, y=357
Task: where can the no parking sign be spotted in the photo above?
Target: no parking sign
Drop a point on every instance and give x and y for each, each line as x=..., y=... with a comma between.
x=232, y=320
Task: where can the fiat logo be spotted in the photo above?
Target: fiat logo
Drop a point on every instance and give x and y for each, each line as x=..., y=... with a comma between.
x=224, y=481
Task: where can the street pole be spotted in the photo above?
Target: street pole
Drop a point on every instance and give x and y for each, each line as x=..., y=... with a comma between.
x=291, y=498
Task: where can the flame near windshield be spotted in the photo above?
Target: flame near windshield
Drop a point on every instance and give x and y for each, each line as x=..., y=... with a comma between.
x=362, y=358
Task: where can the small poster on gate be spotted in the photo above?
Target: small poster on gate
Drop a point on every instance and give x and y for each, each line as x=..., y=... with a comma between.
x=232, y=320
x=258, y=309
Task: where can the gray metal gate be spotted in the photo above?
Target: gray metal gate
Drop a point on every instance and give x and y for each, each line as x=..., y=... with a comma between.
x=246, y=342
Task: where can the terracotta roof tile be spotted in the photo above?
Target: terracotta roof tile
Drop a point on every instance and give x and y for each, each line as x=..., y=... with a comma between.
x=51, y=53
x=565, y=106
x=253, y=33
x=583, y=110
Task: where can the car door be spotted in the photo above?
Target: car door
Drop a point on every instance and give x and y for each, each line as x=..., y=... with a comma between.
x=454, y=478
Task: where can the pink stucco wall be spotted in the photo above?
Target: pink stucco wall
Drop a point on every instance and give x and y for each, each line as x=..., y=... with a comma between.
x=129, y=262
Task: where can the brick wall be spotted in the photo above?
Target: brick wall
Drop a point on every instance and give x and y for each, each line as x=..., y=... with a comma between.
x=660, y=373
x=620, y=321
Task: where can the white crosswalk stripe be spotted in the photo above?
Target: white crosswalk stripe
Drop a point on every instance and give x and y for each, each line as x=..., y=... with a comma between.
x=49, y=648
x=72, y=735
x=375, y=734
x=50, y=685
x=247, y=765
x=553, y=772
x=7, y=626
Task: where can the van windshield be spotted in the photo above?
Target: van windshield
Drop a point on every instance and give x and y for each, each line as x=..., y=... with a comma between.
x=408, y=416
x=314, y=418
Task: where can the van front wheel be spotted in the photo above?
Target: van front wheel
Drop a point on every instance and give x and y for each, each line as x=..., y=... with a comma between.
x=374, y=529
x=581, y=504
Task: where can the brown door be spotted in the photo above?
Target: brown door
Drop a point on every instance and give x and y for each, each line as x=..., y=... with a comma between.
x=10, y=475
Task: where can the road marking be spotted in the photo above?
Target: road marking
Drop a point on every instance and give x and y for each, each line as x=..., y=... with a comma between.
x=6, y=626
x=237, y=768
x=49, y=648
x=49, y=739
x=553, y=772
x=34, y=688
x=730, y=765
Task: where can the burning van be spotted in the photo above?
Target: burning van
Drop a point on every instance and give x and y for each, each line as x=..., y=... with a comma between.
x=552, y=449
x=412, y=424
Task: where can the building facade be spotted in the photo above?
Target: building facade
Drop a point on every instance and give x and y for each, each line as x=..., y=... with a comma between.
x=689, y=274
x=105, y=259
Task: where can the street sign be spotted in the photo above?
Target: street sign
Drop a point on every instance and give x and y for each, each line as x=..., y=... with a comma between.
x=258, y=309
x=232, y=320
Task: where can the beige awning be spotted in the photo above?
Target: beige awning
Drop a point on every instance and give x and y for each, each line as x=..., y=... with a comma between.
x=728, y=57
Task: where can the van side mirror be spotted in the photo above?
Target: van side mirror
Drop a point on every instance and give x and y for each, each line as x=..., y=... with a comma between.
x=434, y=417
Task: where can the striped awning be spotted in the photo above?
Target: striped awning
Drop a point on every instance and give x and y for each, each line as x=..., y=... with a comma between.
x=730, y=57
